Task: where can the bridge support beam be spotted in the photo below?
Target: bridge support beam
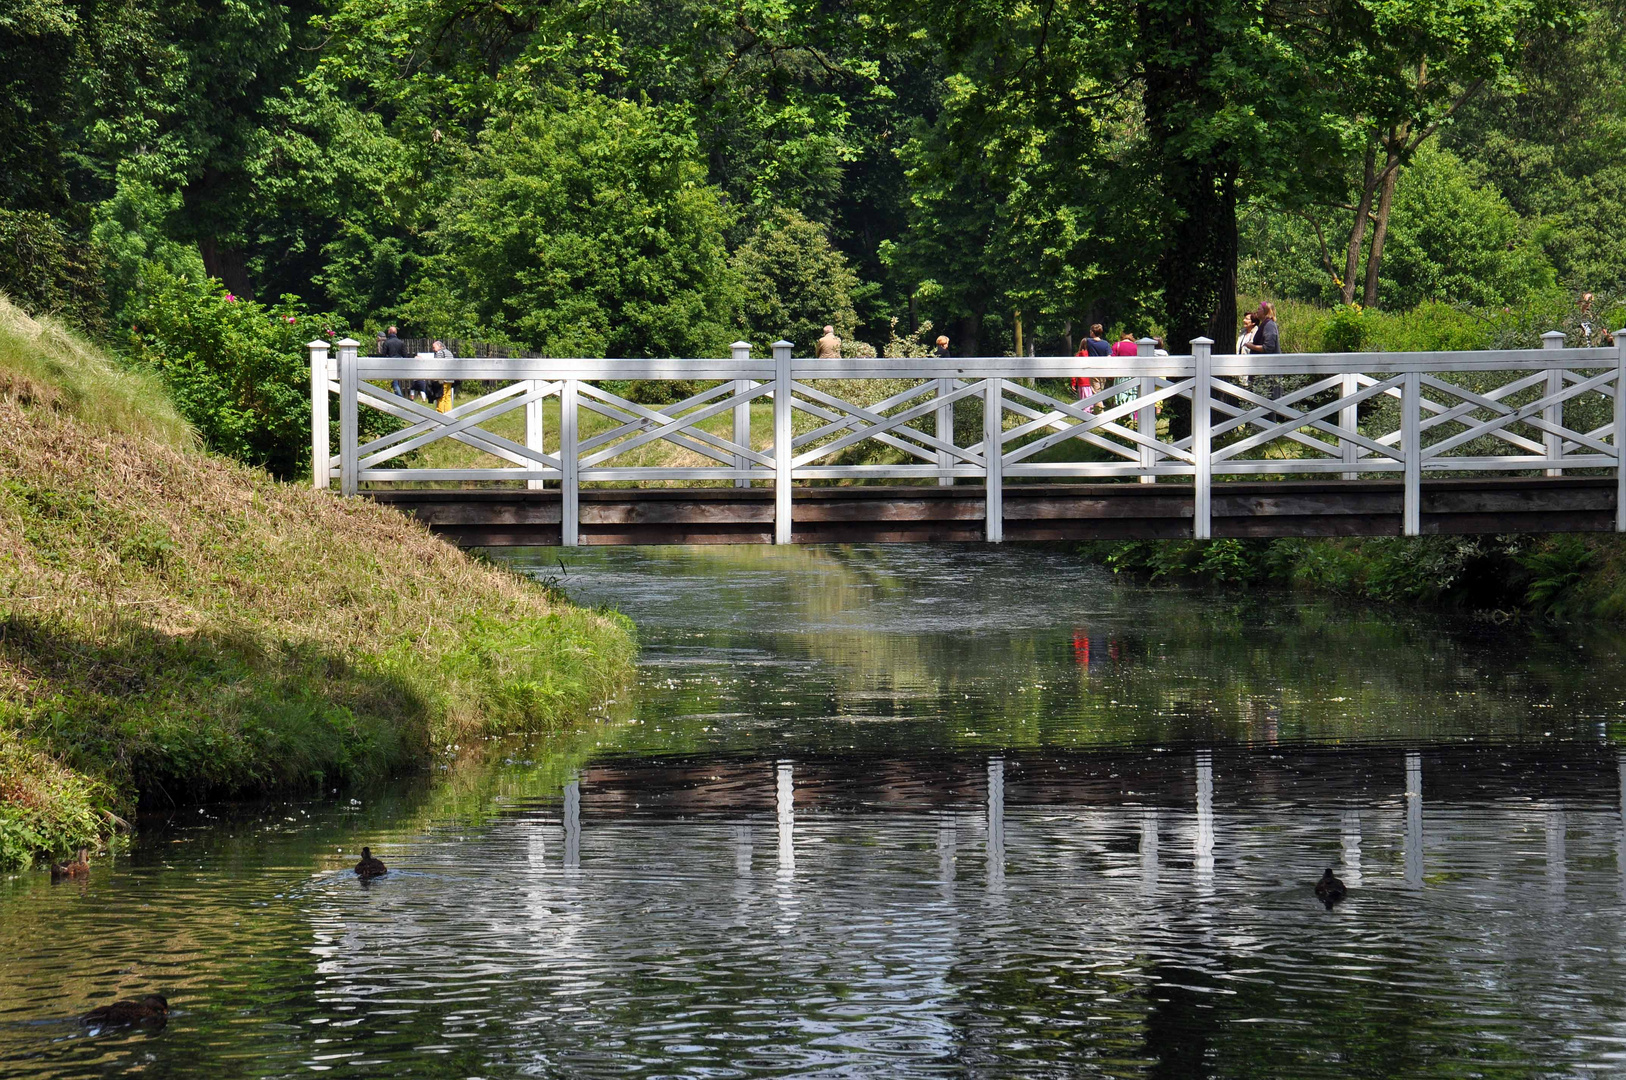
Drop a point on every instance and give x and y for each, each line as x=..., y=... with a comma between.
x=1411, y=445
x=569, y=463
x=1202, y=384
x=1553, y=443
x=349, y=460
x=741, y=352
x=993, y=450
x=319, y=421
x=783, y=446
x=1620, y=430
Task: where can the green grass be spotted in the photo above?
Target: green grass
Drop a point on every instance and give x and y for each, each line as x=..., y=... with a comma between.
x=177, y=626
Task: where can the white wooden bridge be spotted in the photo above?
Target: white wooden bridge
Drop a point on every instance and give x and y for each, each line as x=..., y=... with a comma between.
x=986, y=449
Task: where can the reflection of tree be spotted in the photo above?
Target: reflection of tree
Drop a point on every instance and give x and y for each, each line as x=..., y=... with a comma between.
x=876, y=648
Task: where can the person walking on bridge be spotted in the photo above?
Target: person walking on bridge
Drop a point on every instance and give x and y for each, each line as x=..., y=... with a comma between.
x=829, y=346
x=390, y=344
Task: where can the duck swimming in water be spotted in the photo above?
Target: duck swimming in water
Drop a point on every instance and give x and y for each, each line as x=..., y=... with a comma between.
x=1329, y=890
x=370, y=867
x=59, y=871
x=152, y=1009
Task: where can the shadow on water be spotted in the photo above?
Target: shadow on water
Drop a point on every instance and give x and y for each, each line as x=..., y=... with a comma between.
x=911, y=812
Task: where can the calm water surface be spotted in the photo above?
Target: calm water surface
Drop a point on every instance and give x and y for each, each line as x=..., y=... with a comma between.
x=910, y=812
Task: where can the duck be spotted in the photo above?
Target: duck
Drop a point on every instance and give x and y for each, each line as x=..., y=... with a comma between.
x=152, y=1009
x=79, y=868
x=370, y=867
x=1329, y=890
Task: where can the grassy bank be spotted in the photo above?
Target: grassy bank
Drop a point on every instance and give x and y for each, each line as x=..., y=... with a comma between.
x=1553, y=578
x=174, y=625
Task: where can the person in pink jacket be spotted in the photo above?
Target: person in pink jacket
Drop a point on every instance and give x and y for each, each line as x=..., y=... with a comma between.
x=1126, y=346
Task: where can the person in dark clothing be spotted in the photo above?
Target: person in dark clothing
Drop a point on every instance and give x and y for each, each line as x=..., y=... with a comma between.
x=1096, y=344
x=395, y=348
x=942, y=348
x=1267, y=337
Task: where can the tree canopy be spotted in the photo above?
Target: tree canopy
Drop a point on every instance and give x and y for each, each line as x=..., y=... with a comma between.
x=633, y=177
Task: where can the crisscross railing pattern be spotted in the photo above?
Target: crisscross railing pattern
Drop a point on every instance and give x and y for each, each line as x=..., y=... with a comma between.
x=985, y=421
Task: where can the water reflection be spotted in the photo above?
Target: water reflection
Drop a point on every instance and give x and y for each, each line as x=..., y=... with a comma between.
x=1152, y=782
x=1414, y=819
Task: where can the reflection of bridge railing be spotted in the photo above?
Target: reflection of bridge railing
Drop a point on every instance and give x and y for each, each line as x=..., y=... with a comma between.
x=1145, y=417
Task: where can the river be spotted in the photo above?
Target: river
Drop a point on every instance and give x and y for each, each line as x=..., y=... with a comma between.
x=909, y=812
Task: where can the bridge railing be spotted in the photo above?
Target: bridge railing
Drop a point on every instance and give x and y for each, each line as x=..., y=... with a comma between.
x=984, y=420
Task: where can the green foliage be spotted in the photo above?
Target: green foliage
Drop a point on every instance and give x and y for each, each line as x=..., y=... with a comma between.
x=585, y=229
x=133, y=229
x=47, y=272
x=1346, y=331
x=1454, y=240
x=793, y=283
x=1560, y=579
x=238, y=370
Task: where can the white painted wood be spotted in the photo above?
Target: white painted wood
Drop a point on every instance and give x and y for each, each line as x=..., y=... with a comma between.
x=741, y=354
x=348, y=460
x=1554, y=415
x=569, y=463
x=1202, y=524
x=535, y=435
x=1146, y=417
x=782, y=444
x=1619, y=435
x=1411, y=419
x=993, y=448
x=1231, y=422
x=1349, y=420
x=319, y=418
x=944, y=428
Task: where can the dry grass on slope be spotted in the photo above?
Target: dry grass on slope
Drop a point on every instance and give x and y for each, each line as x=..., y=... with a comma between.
x=173, y=624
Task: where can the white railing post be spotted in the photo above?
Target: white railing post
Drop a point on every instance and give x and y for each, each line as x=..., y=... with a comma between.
x=1554, y=413
x=1349, y=418
x=742, y=413
x=569, y=468
x=348, y=428
x=781, y=442
x=534, y=431
x=1411, y=443
x=1202, y=512
x=319, y=421
x=1620, y=430
x=945, y=429
x=993, y=449
x=1146, y=415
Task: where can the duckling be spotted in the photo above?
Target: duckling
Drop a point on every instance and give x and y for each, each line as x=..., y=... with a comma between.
x=152, y=1009
x=370, y=867
x=73, y=869
x=1329, y=890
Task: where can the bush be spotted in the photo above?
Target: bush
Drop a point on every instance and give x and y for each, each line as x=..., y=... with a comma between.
x=48, y=273
x=582, y=230
x=794, y=283
x=238, y=370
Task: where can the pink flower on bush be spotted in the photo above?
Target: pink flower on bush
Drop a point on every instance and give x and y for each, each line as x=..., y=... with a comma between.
x=230, y=298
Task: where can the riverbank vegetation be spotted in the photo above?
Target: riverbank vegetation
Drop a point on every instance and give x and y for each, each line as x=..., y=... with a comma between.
x=1553, y=578
x=175, y=625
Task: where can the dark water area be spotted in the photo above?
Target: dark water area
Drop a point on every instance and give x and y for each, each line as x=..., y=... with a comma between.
x=917, y=813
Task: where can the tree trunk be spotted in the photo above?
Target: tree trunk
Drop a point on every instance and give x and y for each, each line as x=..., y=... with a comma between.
x=1197, y=264
x=1380, y=231
x=971, y=334
x=1357, y=232
x=227, y=264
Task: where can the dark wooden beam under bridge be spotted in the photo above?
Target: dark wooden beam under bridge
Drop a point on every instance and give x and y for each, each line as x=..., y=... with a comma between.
x=1032, y=512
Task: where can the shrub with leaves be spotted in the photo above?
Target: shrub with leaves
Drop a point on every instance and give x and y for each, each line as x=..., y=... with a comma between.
x=238, y=369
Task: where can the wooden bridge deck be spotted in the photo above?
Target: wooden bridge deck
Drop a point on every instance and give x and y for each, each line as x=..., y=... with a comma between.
x=1032, y=512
